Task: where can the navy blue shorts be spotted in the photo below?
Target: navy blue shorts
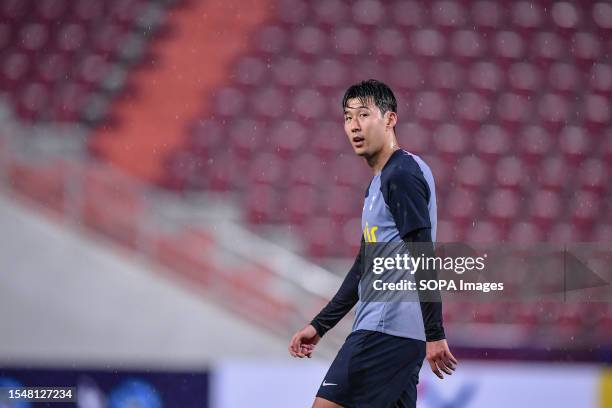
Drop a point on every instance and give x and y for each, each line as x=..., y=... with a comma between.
x=376, y=370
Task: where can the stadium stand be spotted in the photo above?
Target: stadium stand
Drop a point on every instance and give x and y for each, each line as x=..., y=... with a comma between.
x=509, y=103
x=512, y=112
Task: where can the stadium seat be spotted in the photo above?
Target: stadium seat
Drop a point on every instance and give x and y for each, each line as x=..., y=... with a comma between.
x=368, y=12
x=527, y=15
x=564, y=77
x=472, y=172
x=491, y=142
x=601, y=78
x=503, y=205
x=510, y=172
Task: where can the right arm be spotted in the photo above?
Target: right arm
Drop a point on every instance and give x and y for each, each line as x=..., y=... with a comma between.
x=303, y=341
x=344, y=300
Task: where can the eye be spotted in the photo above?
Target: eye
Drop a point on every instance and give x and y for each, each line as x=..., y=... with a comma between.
x=363, y=115
x=347, y=118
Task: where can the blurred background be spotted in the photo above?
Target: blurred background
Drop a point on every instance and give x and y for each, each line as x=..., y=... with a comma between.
x=178, y=196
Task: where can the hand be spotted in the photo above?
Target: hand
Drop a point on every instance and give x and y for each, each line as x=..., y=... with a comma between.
x=303, y=342
x=440, y=358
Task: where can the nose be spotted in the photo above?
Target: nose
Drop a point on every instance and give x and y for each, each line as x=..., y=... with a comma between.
x=355, y=127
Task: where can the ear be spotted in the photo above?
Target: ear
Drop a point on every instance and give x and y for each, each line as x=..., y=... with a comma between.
x=390, y=119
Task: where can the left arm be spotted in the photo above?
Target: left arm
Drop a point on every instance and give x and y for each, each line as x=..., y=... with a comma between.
x=407, y=195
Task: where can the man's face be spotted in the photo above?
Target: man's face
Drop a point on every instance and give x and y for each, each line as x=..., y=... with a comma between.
x=366, y=128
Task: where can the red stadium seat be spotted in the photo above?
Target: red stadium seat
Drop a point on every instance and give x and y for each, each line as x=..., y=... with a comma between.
x=287, y=137
x=271, y=39
x=466, y=205
x=535, y=143
x=267, y=168
x=554, y=110
x=486, y=14
x=331, y=12
x=513, y=109
x=524, y=78
x=413, y=137
x=15, y=69
x=309, y=104
x=428, y=43
x=269, y=102
x=15, y=9
x=34, y=37
x=33, y=100
x=492, y=142
x=525, y=233
x=251, y=71
x=486, y=77
x=508, y=45
x=450, y=140
x=302, y=204
x=596, y=111
x=585, y=47
x=574, y=143
x=328, y=139
x=564, y=77
x=527, y=15
x=563, y=233
x=468, y=44
x=292, y=11
x=554, y=173
x=448, y=14
x=87, y=11
x=368, y=12
x=205, y=135
x=309, y=40
x=349, y=40
x=601, y=78
x=472, y=109
x=602, y=15
x=594, y=175
x=503, y=204
x=446, y=76
x=389, y=42
x=430, y=107
x=565, y=15
x=408, y=13
x=306, y=169
x=546, y=206
x=51, y=10
x=406, y=74
x=245, y=136
x=483, y=232
x=585, y=208
x=51, y=68
x=510, y=172
x=322, y=236
x=547, y=47
x=290, y=71
x=471, y=172
x=448, y=231
x=263, y=203
x=329, y=73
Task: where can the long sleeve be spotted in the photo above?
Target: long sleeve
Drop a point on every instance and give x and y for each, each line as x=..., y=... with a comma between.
x=344, y=300
x=419, y=241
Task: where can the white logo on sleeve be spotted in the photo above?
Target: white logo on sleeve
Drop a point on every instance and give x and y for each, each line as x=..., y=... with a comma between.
x=325, y=384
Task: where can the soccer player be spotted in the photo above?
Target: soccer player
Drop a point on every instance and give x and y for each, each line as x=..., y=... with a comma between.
x=378, y=365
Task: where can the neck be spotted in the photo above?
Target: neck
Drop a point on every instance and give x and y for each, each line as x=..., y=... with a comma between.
x=378, y=160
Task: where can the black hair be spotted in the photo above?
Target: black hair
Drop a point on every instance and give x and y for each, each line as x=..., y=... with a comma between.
x=374, y=91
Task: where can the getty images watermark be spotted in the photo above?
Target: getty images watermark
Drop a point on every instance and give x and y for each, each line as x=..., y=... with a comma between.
x=394, y=271
x=428, y=264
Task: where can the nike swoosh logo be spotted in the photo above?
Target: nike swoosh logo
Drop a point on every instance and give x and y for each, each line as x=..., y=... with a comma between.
x=326, y=383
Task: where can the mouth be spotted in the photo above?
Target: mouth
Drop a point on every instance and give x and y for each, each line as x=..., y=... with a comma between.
x=358, y=141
